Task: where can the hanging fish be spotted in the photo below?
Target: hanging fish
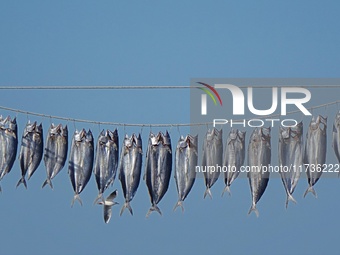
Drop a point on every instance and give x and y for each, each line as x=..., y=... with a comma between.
x=31, y=150
x=106, y=162
x=8, y=145
x=130, y=168
x=185, y=166
x=212, y=158
x=290, y=157
x=158, y=168
x=259, y=157
x=315, y=151
x=336, y=136
x=107, y=205
x=80, y=162
x=55, y=152
x=234, y=156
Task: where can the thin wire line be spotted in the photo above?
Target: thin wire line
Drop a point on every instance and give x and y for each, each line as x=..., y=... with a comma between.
x=142, y=87
x=150, y=125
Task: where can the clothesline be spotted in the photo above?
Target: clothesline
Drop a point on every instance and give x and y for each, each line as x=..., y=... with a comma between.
x=126, y=87
x=146, y=124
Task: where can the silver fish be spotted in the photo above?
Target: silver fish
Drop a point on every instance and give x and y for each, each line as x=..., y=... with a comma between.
x=315, y=151
x=290, y=157
x=336, y=136
x=31, y=150
x=80, y=162
x=55, y=152
x=234, y=156
x=107, y=205
x=158, y=168
x=106, y=162
x=259, y=157
x=212, y=157
x=130, y=168
x=185, y=167
x=8, y=145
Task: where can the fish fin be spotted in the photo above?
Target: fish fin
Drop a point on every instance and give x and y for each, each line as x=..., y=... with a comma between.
x=22, y=180
x=0, y=189
x=179, y=204
x=254, y=209
x=76, y=197
x=226, y=189
x=290, y=198
x=126, y=205
x=312, y=190
x=207, y=192
x=99, y=197
x=48, y=181
x=153, y=208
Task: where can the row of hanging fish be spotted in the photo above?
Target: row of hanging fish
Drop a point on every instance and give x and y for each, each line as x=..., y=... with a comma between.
x=103, y=159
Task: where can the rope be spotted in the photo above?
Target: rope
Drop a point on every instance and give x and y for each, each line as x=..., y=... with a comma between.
x=140, y=87
x=149, y=125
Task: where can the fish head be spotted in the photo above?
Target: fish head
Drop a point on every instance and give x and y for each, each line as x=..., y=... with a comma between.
x=30, y=127
x=241, y=135
x=166, y=138
x=153, y=139
x=79, y=135
x=113, y=136
x=192, y=140
x=138, y=141
x=13, y=125
x=102, y=138
x=89, y=137
x=183, y=143
x=233, y=134
x=65, y=131
x=128, y=141
x=39, y=129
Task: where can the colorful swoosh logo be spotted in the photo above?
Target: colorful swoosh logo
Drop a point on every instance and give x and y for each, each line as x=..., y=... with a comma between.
x=210, y=89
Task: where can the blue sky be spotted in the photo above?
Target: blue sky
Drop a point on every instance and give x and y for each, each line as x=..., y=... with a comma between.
x=160, y=43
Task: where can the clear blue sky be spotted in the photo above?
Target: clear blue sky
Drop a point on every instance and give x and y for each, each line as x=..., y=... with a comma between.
x=160, y=43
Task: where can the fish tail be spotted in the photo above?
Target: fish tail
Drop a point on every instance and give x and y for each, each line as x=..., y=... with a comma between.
x=99, y=197
x=153, y=208
x=179, y=204
x=312, y=190
x=76, y=197
x=126, y=205
x=49, y=182
x=290, y=198
x=226, y=189
x=254, y=209
x=207, y=192
x=23, y=181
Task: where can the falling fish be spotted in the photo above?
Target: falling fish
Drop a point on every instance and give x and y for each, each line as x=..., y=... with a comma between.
x=185, y=164
x=290, y=157
x=212, y=157
x=107, y=205
x=234, y=156
x=130, y=168
x=106, y=162
x=158, y=168
x=315, y=151
x=259, y=157
x=336, y=136
x=31, y=150
x=55, y=152
x=80, y=162
x=8, y=145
